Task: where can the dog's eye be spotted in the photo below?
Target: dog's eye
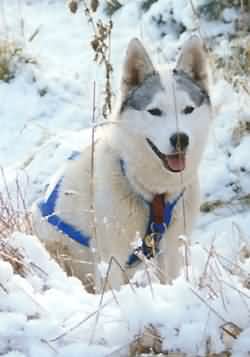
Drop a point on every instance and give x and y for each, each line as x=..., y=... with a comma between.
x=155, y=111
x=188, y=110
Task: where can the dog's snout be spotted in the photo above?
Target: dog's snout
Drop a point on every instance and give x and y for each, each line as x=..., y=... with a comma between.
x=179, y=141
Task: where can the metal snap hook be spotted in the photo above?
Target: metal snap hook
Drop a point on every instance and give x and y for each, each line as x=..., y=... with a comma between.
x=154, y=231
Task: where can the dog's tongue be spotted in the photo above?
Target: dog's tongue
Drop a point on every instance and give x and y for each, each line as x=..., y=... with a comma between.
x=176, y=162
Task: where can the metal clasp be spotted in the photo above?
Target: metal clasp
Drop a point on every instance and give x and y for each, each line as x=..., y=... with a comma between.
x=155, y=231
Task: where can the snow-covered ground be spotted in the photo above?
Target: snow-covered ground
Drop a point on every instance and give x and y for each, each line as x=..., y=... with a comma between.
x=45, y=112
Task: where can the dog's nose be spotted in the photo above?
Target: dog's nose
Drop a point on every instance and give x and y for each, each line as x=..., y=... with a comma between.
x=179, y=141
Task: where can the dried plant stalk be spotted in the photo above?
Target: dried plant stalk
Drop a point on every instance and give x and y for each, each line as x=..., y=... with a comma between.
x=101, y=45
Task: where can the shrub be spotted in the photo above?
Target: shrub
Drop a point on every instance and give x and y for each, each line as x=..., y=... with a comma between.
x=11, y=56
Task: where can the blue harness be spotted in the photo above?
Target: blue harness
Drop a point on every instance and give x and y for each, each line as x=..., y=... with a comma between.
x=47, y=209
x=150, y=245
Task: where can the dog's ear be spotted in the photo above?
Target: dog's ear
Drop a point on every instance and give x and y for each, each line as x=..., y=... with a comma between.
x=137, y=66
x=193, y=61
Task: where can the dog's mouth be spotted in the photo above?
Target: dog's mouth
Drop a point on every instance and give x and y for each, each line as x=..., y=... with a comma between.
x=174, y=162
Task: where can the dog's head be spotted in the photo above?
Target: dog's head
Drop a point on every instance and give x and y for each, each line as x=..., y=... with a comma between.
x=164, y=116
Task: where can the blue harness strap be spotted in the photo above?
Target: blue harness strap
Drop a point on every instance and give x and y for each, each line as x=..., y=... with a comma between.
x=150, y=245
x=47, y=209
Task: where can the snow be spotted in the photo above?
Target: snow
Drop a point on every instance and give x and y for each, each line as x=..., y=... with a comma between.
x=34, y=320
x=56, y=313
x=45, y=114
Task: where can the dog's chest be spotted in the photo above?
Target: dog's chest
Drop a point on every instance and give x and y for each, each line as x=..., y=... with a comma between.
x=122, y=215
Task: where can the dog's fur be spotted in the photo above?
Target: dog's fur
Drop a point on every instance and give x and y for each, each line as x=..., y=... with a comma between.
x=119, y=199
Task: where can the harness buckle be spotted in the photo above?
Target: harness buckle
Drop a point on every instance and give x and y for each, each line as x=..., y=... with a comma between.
x=150, y=243
x=158, y=228
x=150, y=246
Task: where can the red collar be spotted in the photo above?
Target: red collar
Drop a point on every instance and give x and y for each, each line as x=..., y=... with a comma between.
x=157, y=208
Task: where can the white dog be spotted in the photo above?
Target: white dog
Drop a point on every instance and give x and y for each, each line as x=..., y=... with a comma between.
x=145, y=181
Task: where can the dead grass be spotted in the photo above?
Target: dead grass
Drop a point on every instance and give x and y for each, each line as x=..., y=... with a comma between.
x=235, y=66
x=14, y=217
x=11, y=54
x=213, y=9
x=210, y=206
x=148, y=343
x=241, y=130
x=100, y=44
x=7, y=53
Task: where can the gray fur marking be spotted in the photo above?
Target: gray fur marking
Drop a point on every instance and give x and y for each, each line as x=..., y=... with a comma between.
x=140, y=97
x=197, y=94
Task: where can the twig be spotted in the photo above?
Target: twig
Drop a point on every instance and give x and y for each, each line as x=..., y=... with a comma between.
x=49, y=345
x=74, y=327
x=218, y=315
x=106, y=281
x=105, y=285
x=209, y=306
x=34, y=34
x=95, y=249
x=125, y=274
x=101, y=46
x=4, y=288
x=236, y=289
x=182, y=185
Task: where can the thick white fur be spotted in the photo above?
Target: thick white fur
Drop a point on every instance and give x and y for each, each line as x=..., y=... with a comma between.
x=119, y=201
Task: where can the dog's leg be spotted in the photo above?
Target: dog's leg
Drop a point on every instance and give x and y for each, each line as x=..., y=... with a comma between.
x=170, y=260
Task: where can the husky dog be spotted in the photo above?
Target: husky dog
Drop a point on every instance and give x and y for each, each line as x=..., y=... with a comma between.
x=148, y=160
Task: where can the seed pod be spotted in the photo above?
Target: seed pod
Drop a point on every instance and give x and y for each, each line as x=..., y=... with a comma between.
x=73, y=6
x=95, y=44
x=94, y=5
